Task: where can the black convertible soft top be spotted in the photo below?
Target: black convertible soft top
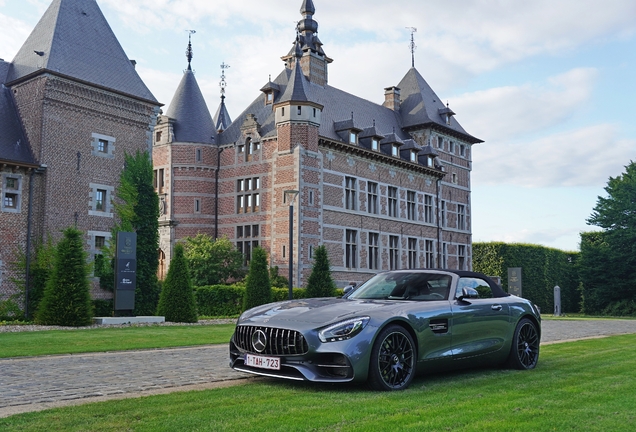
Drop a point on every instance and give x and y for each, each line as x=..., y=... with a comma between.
x=497, y=291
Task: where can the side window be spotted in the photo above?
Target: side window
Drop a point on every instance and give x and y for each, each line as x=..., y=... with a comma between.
x=478, y=284
x=103, y=145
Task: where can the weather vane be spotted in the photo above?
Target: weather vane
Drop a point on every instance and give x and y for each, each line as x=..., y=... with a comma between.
x=189, y=50
x=223, y=84
x=412, y=45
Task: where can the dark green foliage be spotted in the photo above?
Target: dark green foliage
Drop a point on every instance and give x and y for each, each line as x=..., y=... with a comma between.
x=212, y=262
x=227, y=300
x=608, y=264
x=277, y=280
x=220, y=300
x=66, y=299
x=258, y=289
x=104, y=269
x=103, y=308
x=10, y=310
x=542, y=269
x=177, y=302
x=138, y=211
x=320, y=282
x=41, y=266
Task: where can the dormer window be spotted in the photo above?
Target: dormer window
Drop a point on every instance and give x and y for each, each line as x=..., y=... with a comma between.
x=413, y=156
x=429, y=161
x=375, y=144
x=353, y=137
x=448, y=119
x=395, y=150
x=269, y=98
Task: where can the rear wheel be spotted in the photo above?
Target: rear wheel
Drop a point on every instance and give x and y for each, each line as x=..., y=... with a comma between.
x=524, y=353
x=392, y=365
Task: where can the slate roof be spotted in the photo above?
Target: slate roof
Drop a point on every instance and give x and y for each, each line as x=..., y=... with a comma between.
x=193, y=122
x=74, y=39
x=222, y=118
x=421, y=106
x=339, y=106
x=14, y=146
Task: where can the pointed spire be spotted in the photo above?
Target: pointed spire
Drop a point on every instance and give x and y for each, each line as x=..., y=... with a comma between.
x=193, y=122
x=296, y=90
x=307, y=8
x=412, y=45
x=222, y=117
x=189, y=50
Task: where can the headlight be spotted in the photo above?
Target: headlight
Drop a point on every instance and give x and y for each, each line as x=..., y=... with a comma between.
x=343, y=330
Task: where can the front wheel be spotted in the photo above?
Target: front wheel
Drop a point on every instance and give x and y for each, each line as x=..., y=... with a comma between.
x=524, y=353
x=392, y=365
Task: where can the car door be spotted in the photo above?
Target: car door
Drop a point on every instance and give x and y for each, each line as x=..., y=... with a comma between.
x=479, y=325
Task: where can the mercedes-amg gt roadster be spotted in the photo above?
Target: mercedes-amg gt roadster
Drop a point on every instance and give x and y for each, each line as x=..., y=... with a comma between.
x=394, y=325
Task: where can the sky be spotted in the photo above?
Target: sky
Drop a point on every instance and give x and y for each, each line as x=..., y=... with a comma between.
x=548, y=85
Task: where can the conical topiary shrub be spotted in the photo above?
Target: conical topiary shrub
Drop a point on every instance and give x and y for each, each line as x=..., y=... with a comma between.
x=67, y=300
x=320, y=282
x=258, y=289
x=177, y=302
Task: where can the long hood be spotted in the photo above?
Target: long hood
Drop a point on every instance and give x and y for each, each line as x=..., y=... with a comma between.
x=311, y=311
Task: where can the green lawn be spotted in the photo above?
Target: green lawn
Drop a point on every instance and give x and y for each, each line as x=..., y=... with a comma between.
x=578, y=386
x=110, y=339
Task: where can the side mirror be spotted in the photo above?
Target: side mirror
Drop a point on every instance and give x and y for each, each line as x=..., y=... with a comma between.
x=468, y=293
x=347, y=289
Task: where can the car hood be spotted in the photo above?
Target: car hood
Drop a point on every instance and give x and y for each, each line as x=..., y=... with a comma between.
x=311, y=311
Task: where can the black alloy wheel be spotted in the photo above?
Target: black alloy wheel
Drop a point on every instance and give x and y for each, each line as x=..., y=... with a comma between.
x=524, y=353
x=392, y=364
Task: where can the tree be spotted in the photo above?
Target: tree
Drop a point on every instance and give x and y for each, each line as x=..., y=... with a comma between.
x=176, y=301
x=212, y=262
x=258, y=289
x=320, y=282
x=137, y=208
x=39, y=271
x=616, y=215
x=67, y=299
x=276, y=279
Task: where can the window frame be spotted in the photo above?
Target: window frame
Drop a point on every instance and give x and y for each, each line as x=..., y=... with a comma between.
x=350, y=193
x=372, y=197
x=392, y=201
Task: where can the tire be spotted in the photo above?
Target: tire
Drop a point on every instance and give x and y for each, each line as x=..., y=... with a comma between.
x=392, y=365
x=524, y=352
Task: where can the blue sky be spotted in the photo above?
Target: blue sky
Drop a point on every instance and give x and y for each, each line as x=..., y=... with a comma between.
x=548, y=85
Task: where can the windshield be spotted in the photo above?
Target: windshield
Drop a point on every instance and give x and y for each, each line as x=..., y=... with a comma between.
x=418, y=286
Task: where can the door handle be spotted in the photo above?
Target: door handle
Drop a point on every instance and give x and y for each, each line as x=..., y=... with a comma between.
x=496, y=307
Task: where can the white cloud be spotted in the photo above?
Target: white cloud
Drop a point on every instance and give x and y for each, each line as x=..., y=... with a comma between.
x=583, y=157
x=508, y=112
x=13, y=33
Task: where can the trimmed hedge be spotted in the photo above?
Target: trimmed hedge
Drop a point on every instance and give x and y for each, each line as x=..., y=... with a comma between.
x=227, y=300
x=542, y=269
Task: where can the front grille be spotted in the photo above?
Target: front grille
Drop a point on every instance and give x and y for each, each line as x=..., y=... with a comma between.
x=279, y=341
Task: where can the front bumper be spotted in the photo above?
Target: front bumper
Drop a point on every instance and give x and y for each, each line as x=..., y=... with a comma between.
x=332, y=362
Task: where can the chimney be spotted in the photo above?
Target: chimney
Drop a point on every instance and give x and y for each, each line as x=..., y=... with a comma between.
x=392, y=98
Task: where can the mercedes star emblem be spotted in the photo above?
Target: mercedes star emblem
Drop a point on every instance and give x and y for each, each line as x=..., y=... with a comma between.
x=259, y=341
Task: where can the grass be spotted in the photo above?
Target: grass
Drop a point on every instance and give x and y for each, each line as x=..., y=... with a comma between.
x=110, y=339
x=579, y=386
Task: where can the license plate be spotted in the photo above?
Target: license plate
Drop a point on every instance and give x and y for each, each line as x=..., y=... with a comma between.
x=262, y=362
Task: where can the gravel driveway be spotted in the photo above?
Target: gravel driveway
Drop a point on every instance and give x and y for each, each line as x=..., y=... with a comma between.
x=37, y=383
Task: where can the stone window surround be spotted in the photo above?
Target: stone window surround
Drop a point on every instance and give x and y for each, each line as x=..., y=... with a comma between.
x=17, y=191
x=110, y=150
x=92, y=249
x=92, y=201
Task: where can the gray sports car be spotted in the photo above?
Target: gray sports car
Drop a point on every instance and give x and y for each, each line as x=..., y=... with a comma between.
x=392, y=326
